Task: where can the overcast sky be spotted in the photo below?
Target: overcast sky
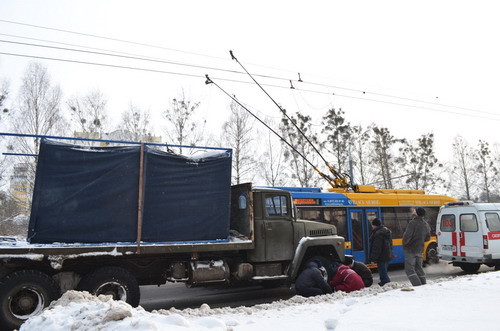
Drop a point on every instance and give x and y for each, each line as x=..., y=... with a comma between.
x=412, y=66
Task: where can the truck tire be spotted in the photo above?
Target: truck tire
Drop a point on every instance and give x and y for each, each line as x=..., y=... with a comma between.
x=470, y=268
x=23, y=294
x=114, y=281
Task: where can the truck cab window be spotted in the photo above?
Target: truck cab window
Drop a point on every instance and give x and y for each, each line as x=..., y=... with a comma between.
x=276, y=205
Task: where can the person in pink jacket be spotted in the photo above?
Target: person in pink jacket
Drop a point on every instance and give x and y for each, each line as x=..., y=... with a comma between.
x=346, y=279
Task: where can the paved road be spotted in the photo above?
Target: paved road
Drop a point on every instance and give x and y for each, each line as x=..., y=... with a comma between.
x=180, y=297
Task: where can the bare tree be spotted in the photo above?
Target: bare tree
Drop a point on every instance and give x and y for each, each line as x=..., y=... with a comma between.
x=487, y=169
x=89, y=113
x=4, y=94
x=182, y=126
x=271, y=164
x=237, y=134
x=419, y=163
x=300, y=169
x=136, y=123
x=382, y=158
x=4, y=113
x=360, y=142
x=338, y=133
x=462, y=168
x=37, y=112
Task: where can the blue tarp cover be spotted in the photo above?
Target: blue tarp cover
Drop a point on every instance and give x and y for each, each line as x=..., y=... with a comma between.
x=90, y=195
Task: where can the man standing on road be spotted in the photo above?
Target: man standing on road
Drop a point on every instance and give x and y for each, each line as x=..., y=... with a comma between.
x=417, y=232
x=381, y=249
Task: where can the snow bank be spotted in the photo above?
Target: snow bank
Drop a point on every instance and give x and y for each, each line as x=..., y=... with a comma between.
x=394, y=307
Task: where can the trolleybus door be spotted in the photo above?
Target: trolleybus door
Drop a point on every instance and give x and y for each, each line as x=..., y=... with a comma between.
x=359, y=231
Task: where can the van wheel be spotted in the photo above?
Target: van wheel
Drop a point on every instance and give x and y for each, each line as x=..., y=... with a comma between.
x=432, y=254
x=470, y=267
x=114, y=281
x=24, y=294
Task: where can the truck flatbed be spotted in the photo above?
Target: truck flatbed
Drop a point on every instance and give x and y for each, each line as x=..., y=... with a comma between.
x=22, y=249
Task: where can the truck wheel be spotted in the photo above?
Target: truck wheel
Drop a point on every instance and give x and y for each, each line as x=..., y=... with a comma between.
x=470, y=267
x=114, y=281
x=24, y=294
x=431, y=254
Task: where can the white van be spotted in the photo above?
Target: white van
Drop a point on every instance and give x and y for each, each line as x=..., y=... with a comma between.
x=468, y=234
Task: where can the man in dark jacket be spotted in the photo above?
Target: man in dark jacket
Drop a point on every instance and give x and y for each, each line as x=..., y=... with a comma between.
x=381, y=249
x=361, y=269
x=311, y=282
x=417, y=232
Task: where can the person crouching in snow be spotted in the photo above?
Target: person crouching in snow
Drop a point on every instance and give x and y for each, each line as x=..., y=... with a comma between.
x=345, y=279
x=311, y=281
x=361, y=269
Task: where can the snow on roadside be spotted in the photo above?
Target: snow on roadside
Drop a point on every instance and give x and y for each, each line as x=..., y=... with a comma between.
x=389, y=308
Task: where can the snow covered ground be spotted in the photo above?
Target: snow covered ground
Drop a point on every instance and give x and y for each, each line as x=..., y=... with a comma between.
x=463, y=303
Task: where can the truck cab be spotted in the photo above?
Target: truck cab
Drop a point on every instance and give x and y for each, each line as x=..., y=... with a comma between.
x=287, y=242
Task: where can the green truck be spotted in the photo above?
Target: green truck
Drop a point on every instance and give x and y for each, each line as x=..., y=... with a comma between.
x=264, y=243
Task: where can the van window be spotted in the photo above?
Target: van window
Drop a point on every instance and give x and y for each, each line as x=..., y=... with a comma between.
x=468, y=223
x=447, y=223
x=493, y=222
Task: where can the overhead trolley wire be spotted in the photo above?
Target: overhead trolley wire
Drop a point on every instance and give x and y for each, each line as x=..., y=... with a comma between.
x=325, y=176
x=225, y=79
x=107, y=38
x=300, y=80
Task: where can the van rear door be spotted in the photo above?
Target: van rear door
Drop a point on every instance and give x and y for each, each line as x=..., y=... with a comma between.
x=446, y=234
x=470, y=237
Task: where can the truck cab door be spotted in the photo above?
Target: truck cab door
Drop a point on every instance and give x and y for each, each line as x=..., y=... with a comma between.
x=277, y=227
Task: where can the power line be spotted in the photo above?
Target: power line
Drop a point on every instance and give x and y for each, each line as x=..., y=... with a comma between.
x=300, y=80
x=119, y=56
x=108, y=38
x=238, y=81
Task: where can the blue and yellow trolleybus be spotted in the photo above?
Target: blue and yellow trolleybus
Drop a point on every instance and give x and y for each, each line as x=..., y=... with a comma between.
x=352, y=212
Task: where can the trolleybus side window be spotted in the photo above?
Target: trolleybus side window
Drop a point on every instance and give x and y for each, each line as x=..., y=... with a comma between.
x=448, y=223
x=396, y=219
x=493, y=222
x=468, y=223
x=311, y=214
x=337, y=217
